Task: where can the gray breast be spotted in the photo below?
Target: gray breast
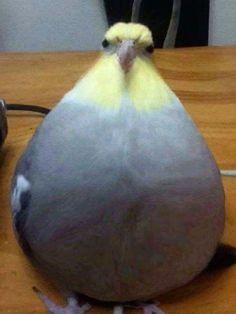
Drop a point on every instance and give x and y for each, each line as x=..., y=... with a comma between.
x=122, y=201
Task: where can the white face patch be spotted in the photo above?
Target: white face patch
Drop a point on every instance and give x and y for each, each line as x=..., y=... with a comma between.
x=22, y=185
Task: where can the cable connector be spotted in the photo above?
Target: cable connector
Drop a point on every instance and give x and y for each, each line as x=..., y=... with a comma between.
x=3, y=122
x=4, y=107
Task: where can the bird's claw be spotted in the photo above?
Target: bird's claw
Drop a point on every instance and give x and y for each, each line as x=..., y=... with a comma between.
x=152, y=309
x=147, y=308
x=72, y=306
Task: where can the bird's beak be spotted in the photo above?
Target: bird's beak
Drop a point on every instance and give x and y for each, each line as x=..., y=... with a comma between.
x=126, y=53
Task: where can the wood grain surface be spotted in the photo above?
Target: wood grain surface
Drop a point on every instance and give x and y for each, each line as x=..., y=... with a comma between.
x=205, y=81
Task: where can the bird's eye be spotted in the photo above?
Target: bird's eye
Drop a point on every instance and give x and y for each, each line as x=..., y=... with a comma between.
x=105, y=43
x=150, y=49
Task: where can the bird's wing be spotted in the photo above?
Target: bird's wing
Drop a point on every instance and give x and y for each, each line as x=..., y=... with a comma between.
x=21, y=194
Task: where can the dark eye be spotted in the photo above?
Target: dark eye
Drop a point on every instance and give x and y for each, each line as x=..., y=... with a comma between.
x=105, y=43
x=150, y=49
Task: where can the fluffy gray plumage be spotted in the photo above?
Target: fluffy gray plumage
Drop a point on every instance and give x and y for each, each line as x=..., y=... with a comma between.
x=122, y=205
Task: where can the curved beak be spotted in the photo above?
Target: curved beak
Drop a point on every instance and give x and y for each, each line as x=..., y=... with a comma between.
x=126, y=53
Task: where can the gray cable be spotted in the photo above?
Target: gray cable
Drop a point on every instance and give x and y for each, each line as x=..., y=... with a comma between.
x=173, y=26
x=136, y=11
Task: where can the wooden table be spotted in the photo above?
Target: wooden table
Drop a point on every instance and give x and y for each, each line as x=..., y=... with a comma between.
x=205, y=81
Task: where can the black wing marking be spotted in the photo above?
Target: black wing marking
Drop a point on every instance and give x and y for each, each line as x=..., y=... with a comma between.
x=19, y=224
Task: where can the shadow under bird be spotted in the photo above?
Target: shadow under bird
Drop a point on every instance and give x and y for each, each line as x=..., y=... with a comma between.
x=117, y=196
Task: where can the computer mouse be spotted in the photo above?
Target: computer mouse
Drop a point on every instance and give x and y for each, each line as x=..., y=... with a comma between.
x=3, y=122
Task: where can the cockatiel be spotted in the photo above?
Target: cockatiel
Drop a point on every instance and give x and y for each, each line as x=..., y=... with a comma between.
x=117, y=196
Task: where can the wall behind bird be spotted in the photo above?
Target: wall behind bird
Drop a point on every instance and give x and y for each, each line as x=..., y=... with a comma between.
x=222, y=26
x=33, y=25
x=49, y=25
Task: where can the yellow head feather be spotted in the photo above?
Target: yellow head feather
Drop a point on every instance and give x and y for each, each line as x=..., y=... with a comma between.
x=106, y=83
x=137, y=32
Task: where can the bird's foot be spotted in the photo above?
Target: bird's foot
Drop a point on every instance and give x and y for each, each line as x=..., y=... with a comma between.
x=148, y=308
x=72, y=306
x=152, y=309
